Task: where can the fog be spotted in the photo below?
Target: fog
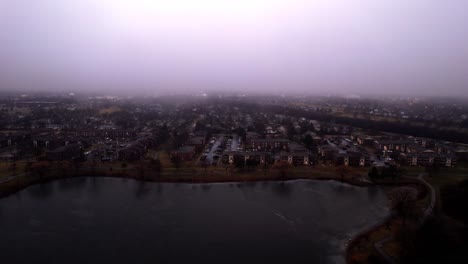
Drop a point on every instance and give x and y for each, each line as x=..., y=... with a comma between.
x=266, y=46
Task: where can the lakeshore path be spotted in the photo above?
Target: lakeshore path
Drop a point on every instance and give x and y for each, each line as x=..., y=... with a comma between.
x=427, y=212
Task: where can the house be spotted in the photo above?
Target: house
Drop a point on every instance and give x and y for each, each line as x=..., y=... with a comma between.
x=416, y=148
x=233, y=157
x=7, y=156
x=297, y=158
x=317, y=140
x=426, y=142
x=446, y=160
x=270, y=144
x=413, y=158
x=427, y=158
x=393, y=145
x=47, y=138
x=327, y=152
x=354, y=159
x=362, y=139
x=250, y=136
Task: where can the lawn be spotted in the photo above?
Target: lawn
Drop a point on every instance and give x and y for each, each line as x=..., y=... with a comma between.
x=448, y=176
x=7, y=170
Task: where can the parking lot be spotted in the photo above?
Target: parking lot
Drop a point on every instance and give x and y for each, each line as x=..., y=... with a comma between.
x=216, y=147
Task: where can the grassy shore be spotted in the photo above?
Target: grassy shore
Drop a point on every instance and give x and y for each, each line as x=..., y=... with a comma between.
x=361, y=248
x=189, y=174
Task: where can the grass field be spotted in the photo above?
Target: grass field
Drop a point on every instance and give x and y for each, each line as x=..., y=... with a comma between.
x=448, y=176
x=6, y=168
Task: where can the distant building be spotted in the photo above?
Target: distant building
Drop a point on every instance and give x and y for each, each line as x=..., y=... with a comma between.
x=426, y=142
x=234, y=157
x=428, y=158
x=354, y=159
x=363, y=139
x=297, y=158
x=270, y=144
x=101, y=133
x=251, y=136
x=393, y=145
x=327, y=152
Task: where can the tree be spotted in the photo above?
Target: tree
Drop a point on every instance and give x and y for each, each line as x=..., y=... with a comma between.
x=308, y=140
x=373, y=173
x=391, y=172
x=40, y=168
x=27, y=167
x=438, y=240
x=343, y=170
x=455, y=201
x=283, y=167
x=251, y=163
x=240, y=163
x=241, y=133
x=179, y=138
x=93, y=167
x=431, y=169
x=176, y=160
x=156, y=165
x=403, y=202
x=265, y=169
x=76, y=165
x=13, y=168
x=141, y=170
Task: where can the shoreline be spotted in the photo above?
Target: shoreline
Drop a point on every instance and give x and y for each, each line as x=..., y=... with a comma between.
x=197, y=179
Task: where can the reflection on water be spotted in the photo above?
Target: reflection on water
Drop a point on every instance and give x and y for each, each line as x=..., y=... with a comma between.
x=142, y=190
x=372, y=192
x=42, y=191
x=105, y=220
x=282, y=188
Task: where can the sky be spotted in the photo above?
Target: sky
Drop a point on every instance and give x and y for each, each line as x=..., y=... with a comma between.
x=287, y=46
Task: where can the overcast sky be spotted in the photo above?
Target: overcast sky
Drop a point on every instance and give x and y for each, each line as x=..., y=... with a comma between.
x=313, y=46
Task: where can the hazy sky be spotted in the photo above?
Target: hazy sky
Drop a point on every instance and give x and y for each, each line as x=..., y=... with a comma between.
x=317, y=46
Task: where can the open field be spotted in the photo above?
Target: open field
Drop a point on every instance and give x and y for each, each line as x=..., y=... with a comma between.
x=7, y=168
x=448, y=176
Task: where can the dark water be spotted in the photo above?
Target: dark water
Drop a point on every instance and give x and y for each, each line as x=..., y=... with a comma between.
x=105, y=220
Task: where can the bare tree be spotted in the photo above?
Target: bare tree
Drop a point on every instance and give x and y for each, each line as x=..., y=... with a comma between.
x=283, y=167
x=343, y=171
x=403, y=202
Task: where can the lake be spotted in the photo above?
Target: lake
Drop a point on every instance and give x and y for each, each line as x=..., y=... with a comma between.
x=110, y=220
